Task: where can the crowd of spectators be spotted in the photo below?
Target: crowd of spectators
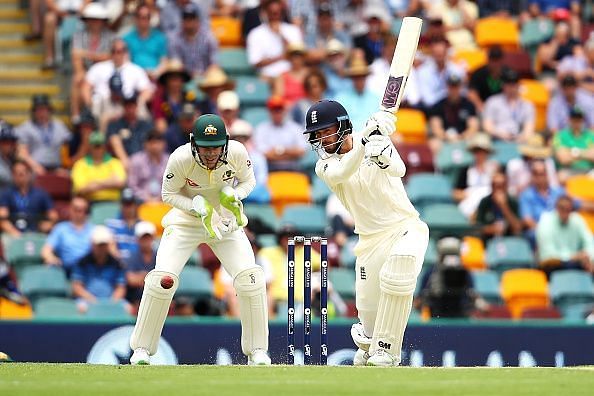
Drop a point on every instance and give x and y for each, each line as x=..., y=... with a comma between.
x=142, y=72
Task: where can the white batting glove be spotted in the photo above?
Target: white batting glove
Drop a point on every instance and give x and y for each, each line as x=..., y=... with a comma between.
x=384, y=122
x=378, y=149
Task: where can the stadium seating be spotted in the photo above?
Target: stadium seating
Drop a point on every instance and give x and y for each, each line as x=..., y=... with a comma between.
x=520, y=61
x=536, y=92
x=288, y=188
x=452, y=157
x=505, y=151
x=473, y=253
x=571, y=287
x=261, y=216
x=581, y=187
x=153, y=212
x=25, y=250
x=347, y=254
x=227, y=31
x=541, y=313
x=319, y=191
x=445, y=219
x=577, y=312
x=43, y=281
x=343, y=282
x=534, y=32
x=588, y=218
x=429, y=188
x=412, y=126
x=55, y=307
x=486, y=284
x=470, y=59
x=496, y=312
x=234, y=62
x=308, y=163
x=306, y=219
x=107, y=310
x=266, y=240
x=102, y=211
x=417, y=157
x=251, y=91
x=524, y=288
x=59, y=187
x=195, y=283
x=509, y=252
x=497, y=31
x=255, y=115
x=430, y=254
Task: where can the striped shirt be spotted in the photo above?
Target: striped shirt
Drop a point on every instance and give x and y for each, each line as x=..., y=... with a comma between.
x=197, y=54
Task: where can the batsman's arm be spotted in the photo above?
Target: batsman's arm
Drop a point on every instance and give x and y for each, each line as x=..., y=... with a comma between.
x=173, y=181
x=245, y=173
x=336, y=171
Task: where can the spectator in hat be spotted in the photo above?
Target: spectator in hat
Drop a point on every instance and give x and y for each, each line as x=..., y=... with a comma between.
x=214, y=82
x=41, y=137
x=498, y=213
x=171, y=94
x=122, y=227
x=454, y=118
x=326, y=29
x=569, y=95
x=178, y=133
x=372, y=41
x=141, y=261
x=171, y=18
x=242, y=132
x=563, y=239
x=459, y=18
x=434, y=71
x=289, y=84
x=89, y=46
x=193, y=44
x=574, y=145
x=98, y=176
x=147, y=44
x=519, y=173
x=486, y=80
x=228, y=108
x=315, y=88
x=127, y=134
x=79, y=144
x=69, y=240
x=98, y=275
x=507, y=116
x=358, y=100
x=269, y=59
x=145, y=173
x=474, y=181
x=8, y=156
x=24, y=207
x=334, y=68
x=279, y=138
x=96, y=89
x=581, y=65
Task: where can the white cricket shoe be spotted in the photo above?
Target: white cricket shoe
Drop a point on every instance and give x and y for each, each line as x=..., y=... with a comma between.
x=259, y=357
x=140, y=357
x=381, y=358
x=360, y=358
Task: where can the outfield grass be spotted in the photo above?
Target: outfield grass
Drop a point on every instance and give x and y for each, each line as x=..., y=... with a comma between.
x=83, y=379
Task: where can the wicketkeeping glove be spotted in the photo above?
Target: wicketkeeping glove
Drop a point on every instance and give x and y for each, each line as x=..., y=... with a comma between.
x=378, y=149
x=202, y=209
x=230, y=201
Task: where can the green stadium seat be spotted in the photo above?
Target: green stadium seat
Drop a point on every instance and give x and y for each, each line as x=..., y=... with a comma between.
x=195, y=283
x=255, y=115
x=577, y=312
x=445, y=219
x=343, y=282
x=306, y=219
x=267, y=240
x=430, y=254
x=195, y=259
x=102, y=211
x=452, y=157
x=506, y=253
x=505, y=152
x=252, y=91
x=570, y=287
x=107, y=310
x=319, y=191
x=486, y=284
x=234, y=61
x=308, y=163
x=25, y=250
x=54, y=307
x=347, y=254
x=535, y=32
x=264, y=214
x=429, y=188
x=43, y=281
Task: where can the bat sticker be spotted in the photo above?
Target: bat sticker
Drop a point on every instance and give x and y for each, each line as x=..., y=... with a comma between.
x=392, y=90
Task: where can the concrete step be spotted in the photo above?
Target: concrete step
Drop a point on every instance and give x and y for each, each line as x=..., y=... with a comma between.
x=22, y=90
x=16, y=119
x=12, y=14
x=15, y=27
x=15, y=59
x=11, y=105
x=18, y=43
x=16, y=3
x=26, y=74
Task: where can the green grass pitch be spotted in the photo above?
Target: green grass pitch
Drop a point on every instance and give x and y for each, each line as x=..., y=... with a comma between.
x=83, y=379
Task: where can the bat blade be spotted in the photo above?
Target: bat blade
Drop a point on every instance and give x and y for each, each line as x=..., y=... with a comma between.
x=404, y=55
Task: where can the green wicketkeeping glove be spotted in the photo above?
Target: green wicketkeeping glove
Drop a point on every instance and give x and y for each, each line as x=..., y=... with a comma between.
x=230, y=201
x=202, y=209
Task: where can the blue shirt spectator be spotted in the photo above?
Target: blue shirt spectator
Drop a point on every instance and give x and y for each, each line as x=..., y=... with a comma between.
x=146, y=51
x=534, y=203
x=123, y=227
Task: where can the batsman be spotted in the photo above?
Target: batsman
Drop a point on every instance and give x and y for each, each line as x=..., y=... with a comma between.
x=205, y=181
x=365, y=171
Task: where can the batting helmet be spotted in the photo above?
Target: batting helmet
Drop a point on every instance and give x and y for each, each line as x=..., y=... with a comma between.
x=325, y=114
x=209, y=131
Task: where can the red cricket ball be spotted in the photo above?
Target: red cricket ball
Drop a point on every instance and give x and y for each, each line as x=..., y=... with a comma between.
x=166, y=282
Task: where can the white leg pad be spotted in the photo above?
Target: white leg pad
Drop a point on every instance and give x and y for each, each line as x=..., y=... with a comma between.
x=152, y=312
x=397, y=284
x=250, y=286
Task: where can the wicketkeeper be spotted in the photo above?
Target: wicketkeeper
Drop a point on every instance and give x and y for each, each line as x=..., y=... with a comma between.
x=365, y=171
x=205, y=181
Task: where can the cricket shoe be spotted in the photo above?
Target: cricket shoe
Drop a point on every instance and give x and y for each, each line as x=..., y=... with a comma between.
x=140, y=357
x=381, y=358
x=259, y=357
x=360, y=358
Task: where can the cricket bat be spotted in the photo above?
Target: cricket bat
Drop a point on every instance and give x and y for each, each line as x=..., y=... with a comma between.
x=402, y=61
